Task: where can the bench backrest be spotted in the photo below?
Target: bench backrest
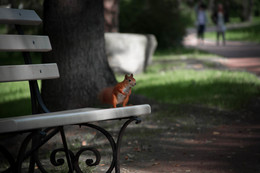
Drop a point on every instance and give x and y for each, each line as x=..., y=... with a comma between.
x=24, y=43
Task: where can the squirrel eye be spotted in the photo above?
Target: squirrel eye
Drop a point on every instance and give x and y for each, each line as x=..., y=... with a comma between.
x=129, y=80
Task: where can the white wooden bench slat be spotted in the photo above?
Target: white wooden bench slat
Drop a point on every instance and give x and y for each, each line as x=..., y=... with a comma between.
x=77, y=116
x=25, y=43
x=19, y=16
x=12, y=73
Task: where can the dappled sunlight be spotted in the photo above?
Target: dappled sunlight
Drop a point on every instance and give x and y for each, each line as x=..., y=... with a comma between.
x=217, y=150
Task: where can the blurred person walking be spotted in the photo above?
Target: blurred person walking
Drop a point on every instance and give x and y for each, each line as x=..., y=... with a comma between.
x=201, y=22
x=220, y=17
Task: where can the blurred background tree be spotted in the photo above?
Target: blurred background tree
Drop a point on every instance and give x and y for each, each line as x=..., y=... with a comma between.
x=162, y=18
x=241, y=9
x=111, y=11
x=237, y=8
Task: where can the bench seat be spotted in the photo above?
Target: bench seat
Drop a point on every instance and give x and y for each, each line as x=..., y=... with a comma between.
x=77, y=116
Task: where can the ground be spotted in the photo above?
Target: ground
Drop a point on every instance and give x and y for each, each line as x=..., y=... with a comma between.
x=208, y=146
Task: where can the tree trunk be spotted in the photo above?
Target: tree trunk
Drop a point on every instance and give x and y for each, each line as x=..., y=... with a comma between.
x=76, y=31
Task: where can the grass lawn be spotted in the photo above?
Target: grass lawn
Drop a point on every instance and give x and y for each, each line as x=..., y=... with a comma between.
x=213, y=88
x=249, y=34
x=182, y=53
x=14, y=99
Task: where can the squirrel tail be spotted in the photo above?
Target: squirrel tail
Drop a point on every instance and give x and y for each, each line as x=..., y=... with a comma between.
x=105, y=96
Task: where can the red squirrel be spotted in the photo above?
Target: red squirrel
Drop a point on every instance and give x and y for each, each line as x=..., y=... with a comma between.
x=119, y=94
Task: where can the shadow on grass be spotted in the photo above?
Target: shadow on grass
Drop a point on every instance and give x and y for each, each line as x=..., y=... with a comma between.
x=16, y=58
x=15, y=108
x=179, y=51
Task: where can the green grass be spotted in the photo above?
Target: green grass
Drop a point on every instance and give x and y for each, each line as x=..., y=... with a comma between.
x=14, y=99
x=213, y=88
x=3, y=29
x=181, y=53
x=248, y=34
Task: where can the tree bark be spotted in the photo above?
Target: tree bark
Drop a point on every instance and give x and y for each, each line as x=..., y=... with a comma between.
x=76, y=31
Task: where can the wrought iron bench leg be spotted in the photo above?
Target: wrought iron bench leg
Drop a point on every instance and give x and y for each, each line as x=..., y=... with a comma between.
x=66, y=149
x=119, y=140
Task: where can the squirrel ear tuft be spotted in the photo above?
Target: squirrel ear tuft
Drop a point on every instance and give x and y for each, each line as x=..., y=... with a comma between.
x=126, y=76
x=131, y=75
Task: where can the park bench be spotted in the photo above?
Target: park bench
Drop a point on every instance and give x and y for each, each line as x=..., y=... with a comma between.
x=39, y=128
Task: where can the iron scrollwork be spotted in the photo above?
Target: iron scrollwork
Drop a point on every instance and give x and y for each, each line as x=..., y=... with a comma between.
x=75, y=158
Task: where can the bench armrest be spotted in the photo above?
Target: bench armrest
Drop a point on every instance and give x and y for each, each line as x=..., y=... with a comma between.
x=77, y=116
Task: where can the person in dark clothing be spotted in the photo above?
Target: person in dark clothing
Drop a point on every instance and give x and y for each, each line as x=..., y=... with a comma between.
x=201, y=22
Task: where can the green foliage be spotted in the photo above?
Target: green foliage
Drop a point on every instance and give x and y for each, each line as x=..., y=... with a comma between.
x=256, y=7
x=238, y=8
x=161, y=18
